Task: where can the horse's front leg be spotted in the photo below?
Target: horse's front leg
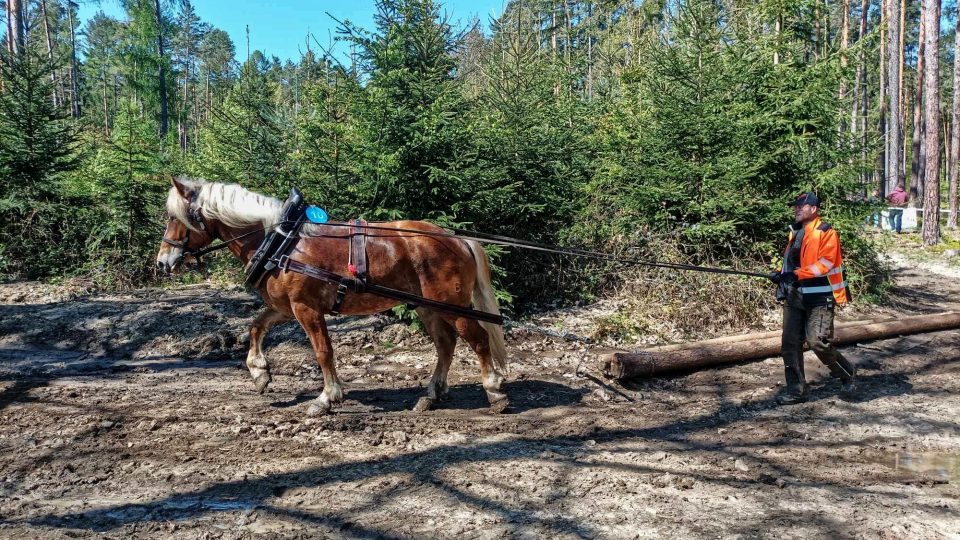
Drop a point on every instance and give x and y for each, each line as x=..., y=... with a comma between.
x=256, y=360
x=316, y=328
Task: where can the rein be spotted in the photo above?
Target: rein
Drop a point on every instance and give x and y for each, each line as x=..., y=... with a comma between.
x=484, y=238
x=464, y=234
x=197, y=253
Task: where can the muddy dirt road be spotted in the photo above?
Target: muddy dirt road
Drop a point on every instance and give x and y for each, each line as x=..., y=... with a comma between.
x=131, y=415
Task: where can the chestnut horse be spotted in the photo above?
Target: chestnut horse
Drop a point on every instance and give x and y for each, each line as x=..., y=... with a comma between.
x=441, y=268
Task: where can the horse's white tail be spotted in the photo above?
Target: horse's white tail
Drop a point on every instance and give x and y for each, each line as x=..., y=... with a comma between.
x=485, y=299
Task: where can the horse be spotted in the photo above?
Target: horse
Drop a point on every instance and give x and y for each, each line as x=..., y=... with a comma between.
x=434, y=265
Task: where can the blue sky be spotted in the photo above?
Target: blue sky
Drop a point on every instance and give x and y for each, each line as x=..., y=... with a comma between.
x=279, y=27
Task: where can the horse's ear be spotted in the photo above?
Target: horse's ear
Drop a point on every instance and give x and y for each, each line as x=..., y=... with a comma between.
x=185, y=188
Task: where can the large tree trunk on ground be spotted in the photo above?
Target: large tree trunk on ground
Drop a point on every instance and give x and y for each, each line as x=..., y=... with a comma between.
x=733, y=349
x=931, y=83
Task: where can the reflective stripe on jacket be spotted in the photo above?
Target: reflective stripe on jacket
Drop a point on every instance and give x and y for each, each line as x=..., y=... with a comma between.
x=820, y=274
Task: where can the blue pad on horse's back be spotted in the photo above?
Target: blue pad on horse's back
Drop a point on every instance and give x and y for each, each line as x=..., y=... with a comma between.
x=317, y=215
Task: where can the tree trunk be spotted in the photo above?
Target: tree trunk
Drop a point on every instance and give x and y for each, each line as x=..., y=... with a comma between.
x=53, y=72
x=74, y=70
x=816, y=29
x=883, y=100
x=106, y=110
x=916, y=158
x=844, y=44
x=732, y=349
x=861, y=66
x=931, y=82
x=589, y=26
x=553, y=30
x=777, y=30
x=16, y=34
x=208, y=100
x=894, y=133
x=185, y=127
x=954, y=137
x=163, y=70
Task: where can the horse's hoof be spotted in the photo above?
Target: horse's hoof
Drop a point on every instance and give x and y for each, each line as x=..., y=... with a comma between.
x=317, y=409
x=423, y=404
x=261, y=382
x=499, y=405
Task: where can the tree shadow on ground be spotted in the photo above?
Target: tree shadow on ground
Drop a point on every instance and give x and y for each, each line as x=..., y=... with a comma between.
x=525, y=395
x=431, y=468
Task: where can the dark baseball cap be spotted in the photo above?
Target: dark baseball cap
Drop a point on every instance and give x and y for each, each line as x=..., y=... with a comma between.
x=807, y=197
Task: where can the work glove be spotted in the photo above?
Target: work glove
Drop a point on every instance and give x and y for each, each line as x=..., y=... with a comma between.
x=787, y=278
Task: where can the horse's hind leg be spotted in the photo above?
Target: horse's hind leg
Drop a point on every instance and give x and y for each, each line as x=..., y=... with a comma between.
x=474, y=334
x=256, y=360
x=445, y=339
x=316, y=328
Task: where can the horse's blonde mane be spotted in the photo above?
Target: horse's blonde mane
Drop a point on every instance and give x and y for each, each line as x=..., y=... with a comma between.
x=230, y=204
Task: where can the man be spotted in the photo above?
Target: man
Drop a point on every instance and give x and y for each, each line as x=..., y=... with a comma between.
x=811, y=283
x=898, y=197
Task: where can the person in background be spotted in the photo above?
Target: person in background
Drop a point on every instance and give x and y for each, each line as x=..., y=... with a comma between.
x=874, y=198
x=811, y=283
x=898, y=197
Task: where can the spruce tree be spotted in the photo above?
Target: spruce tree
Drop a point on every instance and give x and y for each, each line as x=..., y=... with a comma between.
x=37, y=146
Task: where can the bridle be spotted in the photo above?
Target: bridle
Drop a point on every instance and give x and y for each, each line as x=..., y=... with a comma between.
x=196, y=216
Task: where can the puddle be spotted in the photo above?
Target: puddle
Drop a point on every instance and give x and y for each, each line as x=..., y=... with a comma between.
x=229, y=505
x=219, y=505
x=939, y=465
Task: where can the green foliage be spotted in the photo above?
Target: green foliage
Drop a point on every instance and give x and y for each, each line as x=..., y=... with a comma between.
x=412, y=141
x=662, y=131
x=131, y=190
x=712, y=139
x=246, y=139
x=37, y=145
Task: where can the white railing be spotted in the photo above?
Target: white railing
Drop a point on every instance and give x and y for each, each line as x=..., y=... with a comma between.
x=908, y=217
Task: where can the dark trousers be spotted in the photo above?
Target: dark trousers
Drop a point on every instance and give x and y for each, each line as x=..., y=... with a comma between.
x=815, y=326
x=896, y=219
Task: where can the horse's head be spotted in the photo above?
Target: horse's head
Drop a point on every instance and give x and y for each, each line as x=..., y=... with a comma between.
x=186, y=231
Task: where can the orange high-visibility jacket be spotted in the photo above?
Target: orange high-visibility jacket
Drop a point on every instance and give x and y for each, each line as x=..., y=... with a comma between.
x=820, y=274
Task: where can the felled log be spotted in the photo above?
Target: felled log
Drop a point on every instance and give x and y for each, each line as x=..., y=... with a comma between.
x=726, y=350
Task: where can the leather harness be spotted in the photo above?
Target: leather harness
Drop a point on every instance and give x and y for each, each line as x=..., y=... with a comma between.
x=273, y=253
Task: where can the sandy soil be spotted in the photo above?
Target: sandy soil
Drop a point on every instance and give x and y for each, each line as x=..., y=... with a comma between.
x=130, y=415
